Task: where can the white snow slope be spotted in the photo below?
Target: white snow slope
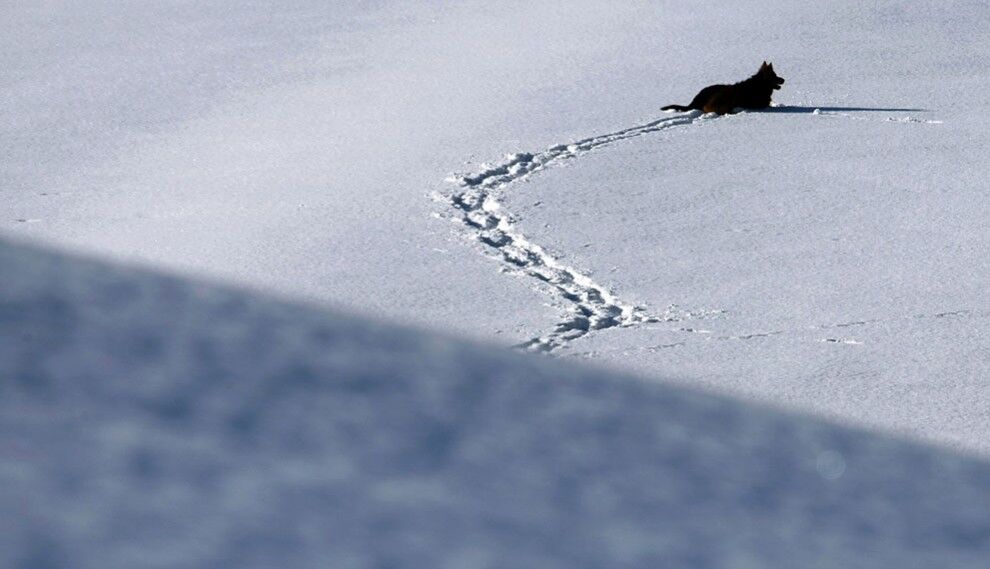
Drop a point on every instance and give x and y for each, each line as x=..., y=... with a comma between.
x=147, y=421
x=830, y=262
x=828, y=256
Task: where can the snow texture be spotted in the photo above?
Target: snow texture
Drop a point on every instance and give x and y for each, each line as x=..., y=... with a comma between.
x=592, y=307
x=148, y=421
x=828, y=256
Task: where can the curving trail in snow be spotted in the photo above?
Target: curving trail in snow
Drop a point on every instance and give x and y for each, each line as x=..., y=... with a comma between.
x=589, y=305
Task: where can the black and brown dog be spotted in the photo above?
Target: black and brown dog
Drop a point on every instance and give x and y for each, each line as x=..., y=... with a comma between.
x=753, y=93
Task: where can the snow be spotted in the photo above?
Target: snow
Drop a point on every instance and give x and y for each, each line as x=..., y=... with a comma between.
x=827, y=255
x=501, y=172
x=156, y=422
x=893, y=273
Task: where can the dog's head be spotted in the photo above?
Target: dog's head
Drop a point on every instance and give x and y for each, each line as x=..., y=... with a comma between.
x=767, y=74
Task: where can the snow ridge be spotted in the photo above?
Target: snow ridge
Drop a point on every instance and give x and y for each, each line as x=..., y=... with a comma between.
x=590, y=306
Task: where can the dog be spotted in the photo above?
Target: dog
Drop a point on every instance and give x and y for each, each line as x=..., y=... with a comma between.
x=753, y=93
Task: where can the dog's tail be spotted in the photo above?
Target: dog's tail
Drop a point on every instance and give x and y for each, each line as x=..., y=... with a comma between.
x=676, y=108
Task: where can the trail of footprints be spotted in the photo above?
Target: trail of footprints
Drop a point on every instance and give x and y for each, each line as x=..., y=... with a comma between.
x=589, y=305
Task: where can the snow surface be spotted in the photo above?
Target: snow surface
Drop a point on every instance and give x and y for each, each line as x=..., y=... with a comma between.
x=828, y=254
x=294, y=147
x=500, y=170
x=148, y=421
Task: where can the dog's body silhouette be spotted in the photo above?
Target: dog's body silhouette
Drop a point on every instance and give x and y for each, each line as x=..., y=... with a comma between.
x=753, y=93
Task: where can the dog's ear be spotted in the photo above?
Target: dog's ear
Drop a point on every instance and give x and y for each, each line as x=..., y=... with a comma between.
x=764, y=66
x=770, y=66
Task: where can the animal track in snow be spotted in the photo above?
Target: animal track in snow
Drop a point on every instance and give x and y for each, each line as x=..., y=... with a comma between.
x=590, y=306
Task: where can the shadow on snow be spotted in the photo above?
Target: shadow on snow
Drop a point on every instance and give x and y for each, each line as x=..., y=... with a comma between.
x=796, y=109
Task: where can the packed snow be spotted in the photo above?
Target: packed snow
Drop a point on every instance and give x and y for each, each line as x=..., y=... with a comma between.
x=497, y=171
